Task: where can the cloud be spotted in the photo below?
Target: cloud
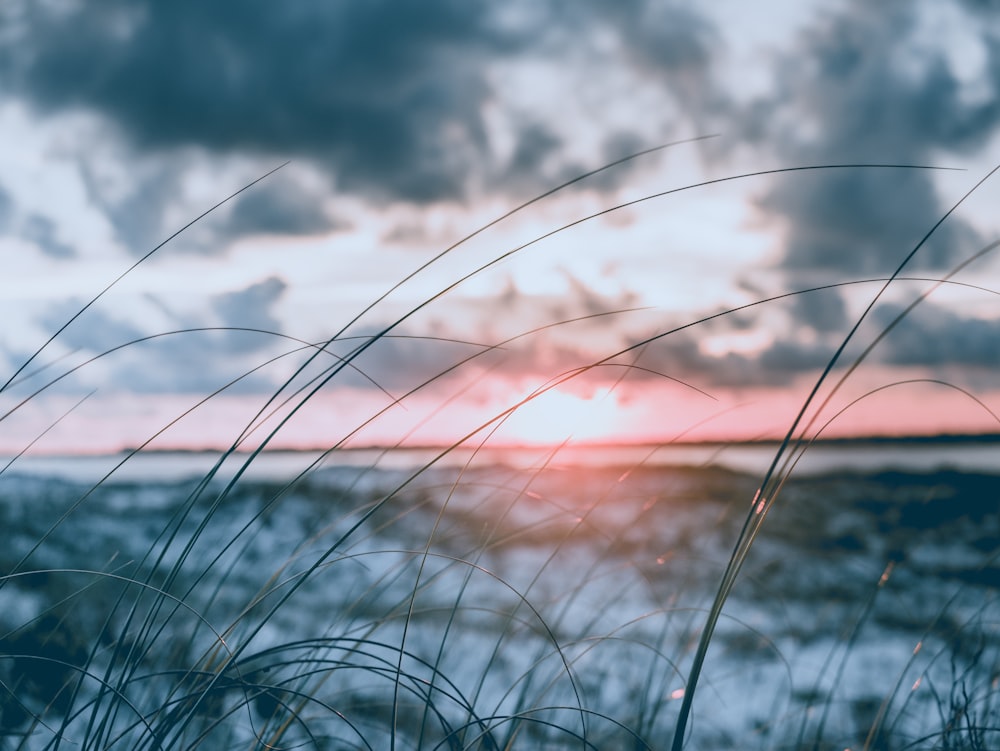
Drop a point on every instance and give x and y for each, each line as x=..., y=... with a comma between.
x=382, y=92
x=665, y=36
x=402, y=361
x=173, y=358
x=506, y=322
x=388, y=97
x=864, y=224
x=250, y=308
x=137, y=210
x=94, y=332
x=36, y=229
x=785, y=359
x=536, y=144
x=682, y=355
x=873, y=84
x=6, y=209
x=42, y=232
x=279, y=207
x=823, y=311
x=934, y=336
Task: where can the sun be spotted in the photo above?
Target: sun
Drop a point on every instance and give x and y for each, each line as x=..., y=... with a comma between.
x=556, y=415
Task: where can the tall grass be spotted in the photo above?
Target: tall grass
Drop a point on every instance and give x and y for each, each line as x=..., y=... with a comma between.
x=465, y=603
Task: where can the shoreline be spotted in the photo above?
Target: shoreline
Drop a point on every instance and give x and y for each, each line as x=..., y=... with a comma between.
x=922, y=454
x=941, y=439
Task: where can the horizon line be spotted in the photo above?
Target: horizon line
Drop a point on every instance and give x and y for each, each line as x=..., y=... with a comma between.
x=856, y=440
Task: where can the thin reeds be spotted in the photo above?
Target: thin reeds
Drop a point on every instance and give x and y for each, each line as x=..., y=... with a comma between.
x=466, y=602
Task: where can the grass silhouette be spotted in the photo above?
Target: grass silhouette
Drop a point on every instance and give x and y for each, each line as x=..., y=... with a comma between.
x=466, y=602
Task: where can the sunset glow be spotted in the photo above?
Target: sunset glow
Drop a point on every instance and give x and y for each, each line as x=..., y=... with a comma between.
x=555, y=415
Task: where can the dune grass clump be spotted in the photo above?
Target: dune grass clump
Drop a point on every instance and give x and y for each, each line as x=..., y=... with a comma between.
x=470, y=599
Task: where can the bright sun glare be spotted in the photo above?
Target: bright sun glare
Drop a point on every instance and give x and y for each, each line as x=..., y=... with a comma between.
x=555, y=415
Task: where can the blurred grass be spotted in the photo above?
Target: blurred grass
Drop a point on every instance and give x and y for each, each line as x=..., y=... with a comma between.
x=492, y=607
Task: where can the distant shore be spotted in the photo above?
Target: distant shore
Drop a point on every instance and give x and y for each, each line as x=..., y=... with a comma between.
x=946, y=439
x=966, y=453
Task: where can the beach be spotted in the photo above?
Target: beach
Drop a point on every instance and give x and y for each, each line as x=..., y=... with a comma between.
x=488, y=601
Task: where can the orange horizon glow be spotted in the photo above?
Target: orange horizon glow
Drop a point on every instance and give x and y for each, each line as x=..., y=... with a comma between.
x=506, y=417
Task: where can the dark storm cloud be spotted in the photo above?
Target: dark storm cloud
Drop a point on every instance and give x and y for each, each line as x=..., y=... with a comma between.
x=388, y=97
x=864, y=223
x=823, y=310
x=681, y=356
x=867, y=85
x=785, y=358
x=279, y=207
x=536, y=143
x=369, y=87
x=932, y=336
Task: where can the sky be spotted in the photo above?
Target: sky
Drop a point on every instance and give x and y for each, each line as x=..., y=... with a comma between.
x=355, y=288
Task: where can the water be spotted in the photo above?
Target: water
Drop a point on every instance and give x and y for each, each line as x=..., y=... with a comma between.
x=749, y=458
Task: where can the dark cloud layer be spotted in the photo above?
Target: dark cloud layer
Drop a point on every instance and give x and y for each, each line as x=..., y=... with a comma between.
x=387, y=96
x=823, y=311
x=866, y=84
x=931, y=336
x=304, y=79
x=864, y=223
x=279, y=207
x=680, y=356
